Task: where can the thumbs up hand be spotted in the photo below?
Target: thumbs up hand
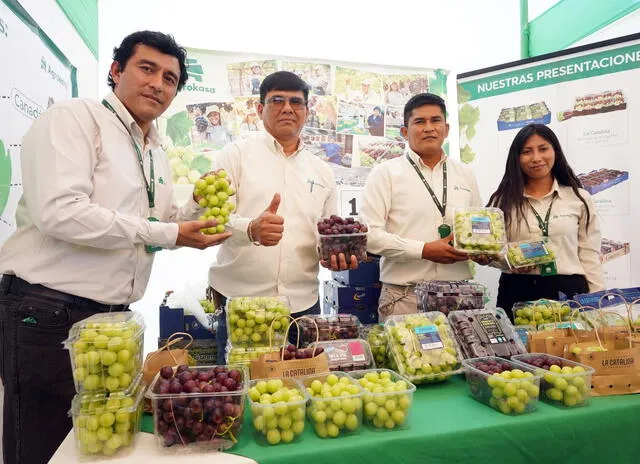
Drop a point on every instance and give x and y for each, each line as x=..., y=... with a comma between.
x=267, y=228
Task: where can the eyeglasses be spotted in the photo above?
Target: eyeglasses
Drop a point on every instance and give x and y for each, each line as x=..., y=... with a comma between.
x=297, y=103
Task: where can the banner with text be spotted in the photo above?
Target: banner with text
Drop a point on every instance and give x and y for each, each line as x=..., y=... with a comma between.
x=34, y=76
x=591, y=100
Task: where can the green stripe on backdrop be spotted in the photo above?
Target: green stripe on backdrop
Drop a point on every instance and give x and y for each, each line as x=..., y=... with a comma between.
x=21, y=13
x=553, y=72
x=568, y=21
x=83, y=14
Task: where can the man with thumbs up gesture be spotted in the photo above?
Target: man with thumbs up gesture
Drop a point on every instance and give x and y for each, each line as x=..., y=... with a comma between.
x=281, y=191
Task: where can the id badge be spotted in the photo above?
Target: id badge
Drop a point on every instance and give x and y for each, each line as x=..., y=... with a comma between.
x=152, y=248
x=548, y=269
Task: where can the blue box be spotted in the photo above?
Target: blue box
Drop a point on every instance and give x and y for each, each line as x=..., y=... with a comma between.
x=594, y=299
x=345, y=296
x=174, y=320
x=368, y=273
x=365, y=314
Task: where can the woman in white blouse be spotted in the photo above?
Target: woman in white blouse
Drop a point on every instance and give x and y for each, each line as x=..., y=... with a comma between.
x=542, y=199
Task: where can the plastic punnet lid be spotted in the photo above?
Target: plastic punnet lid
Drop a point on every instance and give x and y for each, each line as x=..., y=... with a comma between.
x=125, y=324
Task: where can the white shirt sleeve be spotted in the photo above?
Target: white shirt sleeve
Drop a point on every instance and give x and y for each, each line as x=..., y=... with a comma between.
x=58, y=187
x=589, y=242
x=375, y=210
x=229, y=159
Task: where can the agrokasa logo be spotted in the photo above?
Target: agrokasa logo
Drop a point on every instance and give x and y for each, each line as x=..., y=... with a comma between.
x=196, y=73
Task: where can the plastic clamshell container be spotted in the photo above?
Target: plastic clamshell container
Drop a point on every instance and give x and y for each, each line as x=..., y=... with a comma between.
x=106, y=351
x=510, y=396
x=282, y=420
x=257, y=321
x=105, y=425
x=529, y=253
x=219, y=414
x=244, y=356
x=486, y=332
x=423, y=347
x=445, y=296
x=564, y=388
x=523, y=333
x=347, y=355
x=331, y=414
x=348, y=243
x=541, y=311
x=379, y=344
x=330, y=327
x=479, y=231
x=385, y=410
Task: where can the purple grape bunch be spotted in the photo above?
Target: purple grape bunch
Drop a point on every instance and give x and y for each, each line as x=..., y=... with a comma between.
x=338, y=235
x=189, y=415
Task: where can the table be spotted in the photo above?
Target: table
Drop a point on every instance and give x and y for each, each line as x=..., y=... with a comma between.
x=447, y=425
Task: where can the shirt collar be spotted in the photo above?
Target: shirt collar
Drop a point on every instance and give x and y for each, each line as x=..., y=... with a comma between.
x=414, y=156
x=275, y=146
x=153, y=137
x=555, y=188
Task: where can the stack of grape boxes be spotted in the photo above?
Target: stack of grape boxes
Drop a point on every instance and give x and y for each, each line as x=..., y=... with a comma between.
x=203, y=348
x=355, y=292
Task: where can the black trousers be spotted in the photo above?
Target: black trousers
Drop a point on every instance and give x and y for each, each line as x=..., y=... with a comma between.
x=514, y=288
x=35, y=368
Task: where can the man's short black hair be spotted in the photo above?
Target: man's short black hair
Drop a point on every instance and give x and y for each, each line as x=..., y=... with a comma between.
x=164, y=43
x=377, y=108
x=423, y=99
x=283, y=80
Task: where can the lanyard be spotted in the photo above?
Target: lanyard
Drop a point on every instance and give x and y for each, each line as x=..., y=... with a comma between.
x=442, y=207
x=151, y=184
x=544, y=226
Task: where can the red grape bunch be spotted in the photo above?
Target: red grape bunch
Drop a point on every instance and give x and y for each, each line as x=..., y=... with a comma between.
x=183, y=412
x=338, y=235
x=292, y=352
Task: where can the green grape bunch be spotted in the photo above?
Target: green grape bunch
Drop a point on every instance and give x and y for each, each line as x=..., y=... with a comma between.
x=212, y=192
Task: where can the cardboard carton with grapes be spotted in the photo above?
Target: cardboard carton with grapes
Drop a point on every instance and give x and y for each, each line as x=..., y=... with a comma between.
x=338, y=235
x=198, y=406
x=387, y=398
x=290, y=361
x=616, y=362
x=106, y=351
x=278, y=410
x=564, y=383
x=509, y=387
x=479, y=231
x=423, y=347
x=335, y=405
x=106, y=425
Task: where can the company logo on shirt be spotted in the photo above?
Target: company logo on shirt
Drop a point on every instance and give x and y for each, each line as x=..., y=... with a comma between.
x=462, y=187
x=4, y=28
x=161, y=181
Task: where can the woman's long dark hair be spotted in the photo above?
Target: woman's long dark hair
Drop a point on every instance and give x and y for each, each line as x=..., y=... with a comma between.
x=509, y=195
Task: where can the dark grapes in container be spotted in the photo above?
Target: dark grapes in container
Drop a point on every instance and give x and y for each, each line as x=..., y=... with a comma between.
x=198, y=407
x=338, y=235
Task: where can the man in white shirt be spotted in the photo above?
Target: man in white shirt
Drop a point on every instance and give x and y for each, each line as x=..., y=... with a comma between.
x=97, y=202
x=408, y=205
x=273, y=251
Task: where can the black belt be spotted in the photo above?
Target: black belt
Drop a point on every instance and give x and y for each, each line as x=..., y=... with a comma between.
x=14, y=285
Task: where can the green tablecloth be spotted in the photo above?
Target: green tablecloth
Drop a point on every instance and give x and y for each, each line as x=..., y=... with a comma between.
x=447, y=426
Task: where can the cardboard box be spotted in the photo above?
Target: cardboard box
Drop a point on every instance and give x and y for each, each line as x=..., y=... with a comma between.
x=174, y=320
x=345, y=296
x=368, y=273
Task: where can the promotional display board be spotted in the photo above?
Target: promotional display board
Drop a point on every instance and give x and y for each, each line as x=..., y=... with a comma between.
x=34, y=76
x=355, y=113
x=590, y=97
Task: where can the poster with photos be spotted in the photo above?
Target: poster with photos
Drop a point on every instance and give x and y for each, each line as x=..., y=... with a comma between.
x=353, y=119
